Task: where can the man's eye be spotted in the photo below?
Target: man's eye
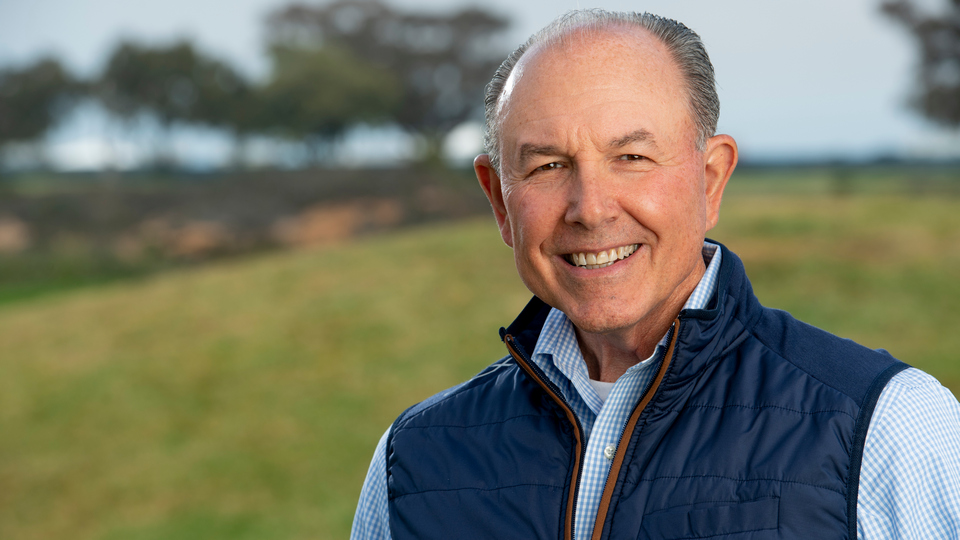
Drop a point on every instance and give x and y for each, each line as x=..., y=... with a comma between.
x=549, y=166
x=631, y=157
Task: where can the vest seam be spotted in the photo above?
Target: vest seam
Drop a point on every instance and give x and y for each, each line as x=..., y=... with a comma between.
x=761, y=407
x=722, y=534
x=504, y=421
x=669, y=508
x=794, y=364
x=421, y=492
x=654, y=479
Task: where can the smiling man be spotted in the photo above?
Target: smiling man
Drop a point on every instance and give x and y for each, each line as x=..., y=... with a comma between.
x=647, y=394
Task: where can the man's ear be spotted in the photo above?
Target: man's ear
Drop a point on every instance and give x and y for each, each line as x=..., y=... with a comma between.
x=719, y=160
x=490, y=182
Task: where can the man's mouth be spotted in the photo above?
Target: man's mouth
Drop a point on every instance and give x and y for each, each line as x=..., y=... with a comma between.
x=601, y=259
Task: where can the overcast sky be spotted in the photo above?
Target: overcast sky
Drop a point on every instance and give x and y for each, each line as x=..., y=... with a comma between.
x=812, y=79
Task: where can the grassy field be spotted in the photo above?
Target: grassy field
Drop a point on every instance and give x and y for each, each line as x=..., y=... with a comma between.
x=243, y=400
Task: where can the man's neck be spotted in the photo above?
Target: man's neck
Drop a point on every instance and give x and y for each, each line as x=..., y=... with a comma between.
x=609, y=355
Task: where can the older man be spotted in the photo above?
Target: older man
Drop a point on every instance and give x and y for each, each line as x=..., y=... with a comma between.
x=647, y=394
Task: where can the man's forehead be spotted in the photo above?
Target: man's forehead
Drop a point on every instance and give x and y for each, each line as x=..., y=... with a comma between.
x=632, y=40
x=599, y=73
x=588, y=49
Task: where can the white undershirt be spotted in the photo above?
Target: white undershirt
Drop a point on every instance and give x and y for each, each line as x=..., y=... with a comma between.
x=603, y=388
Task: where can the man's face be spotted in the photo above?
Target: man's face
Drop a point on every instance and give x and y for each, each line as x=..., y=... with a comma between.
x=604, y=197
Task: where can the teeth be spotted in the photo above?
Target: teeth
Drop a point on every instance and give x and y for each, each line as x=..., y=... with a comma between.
x=601, y=259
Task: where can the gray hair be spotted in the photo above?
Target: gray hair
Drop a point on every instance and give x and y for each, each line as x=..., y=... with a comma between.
x=683, y=44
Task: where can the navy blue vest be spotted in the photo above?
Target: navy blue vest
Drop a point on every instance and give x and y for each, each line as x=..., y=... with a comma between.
x=753, y=428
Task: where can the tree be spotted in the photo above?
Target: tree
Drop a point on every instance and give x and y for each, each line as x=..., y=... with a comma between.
x=175, y=84
x=937, y=95
x=225, y=99
x=33, y=99
x=443, y=61
x=316, y=93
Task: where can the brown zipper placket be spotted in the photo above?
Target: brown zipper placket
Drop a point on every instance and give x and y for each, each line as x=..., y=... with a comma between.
x=627, y=434
x=571, y=497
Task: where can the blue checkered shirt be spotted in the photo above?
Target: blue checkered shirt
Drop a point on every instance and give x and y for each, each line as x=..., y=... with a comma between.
x=909, y=478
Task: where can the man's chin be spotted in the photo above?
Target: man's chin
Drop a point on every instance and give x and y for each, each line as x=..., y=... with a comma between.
x=600, y=322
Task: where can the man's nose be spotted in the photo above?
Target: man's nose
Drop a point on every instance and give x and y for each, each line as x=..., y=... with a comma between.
x=592, y=200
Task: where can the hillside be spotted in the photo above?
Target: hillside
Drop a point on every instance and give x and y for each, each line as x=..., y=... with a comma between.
x=236, y=401
x=242, y=400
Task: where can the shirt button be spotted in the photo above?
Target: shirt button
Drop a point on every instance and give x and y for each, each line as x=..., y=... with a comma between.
x=609, y=452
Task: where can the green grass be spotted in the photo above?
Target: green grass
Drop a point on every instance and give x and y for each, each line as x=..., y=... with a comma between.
x=238, y=400
x=30, y=275
x=244, y=400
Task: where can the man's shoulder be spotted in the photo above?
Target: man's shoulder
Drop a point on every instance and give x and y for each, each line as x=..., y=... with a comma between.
x=453, y=404
x=841, y=363
x=793, y=337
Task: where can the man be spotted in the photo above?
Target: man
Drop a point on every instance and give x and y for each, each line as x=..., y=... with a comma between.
x=646, y=393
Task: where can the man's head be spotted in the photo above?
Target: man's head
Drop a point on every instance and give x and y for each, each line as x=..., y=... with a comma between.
x=684, y=45
x=600, y=150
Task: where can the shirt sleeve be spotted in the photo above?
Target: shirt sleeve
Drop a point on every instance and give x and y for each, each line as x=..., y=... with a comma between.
x=910, y=474
x=372, y=520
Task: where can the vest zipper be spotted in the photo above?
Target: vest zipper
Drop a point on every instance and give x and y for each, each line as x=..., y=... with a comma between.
x=627, y=433
x=646, y=389
x=553, y=391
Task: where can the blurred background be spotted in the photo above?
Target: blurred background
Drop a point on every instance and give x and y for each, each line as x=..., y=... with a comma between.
x=238, y=238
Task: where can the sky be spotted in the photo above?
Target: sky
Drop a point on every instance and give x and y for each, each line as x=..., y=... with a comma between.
x=819, y=79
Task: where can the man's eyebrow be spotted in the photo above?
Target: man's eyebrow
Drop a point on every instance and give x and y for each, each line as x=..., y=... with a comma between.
x=529, y=150
x=640, y=135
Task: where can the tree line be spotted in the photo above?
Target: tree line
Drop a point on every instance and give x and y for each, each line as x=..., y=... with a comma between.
x=348, y=62
x=332, y=66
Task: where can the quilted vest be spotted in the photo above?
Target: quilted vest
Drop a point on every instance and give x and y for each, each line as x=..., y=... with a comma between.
x=753, y=428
